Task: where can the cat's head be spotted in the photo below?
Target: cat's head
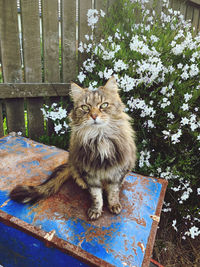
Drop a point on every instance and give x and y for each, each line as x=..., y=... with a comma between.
x=96, y=108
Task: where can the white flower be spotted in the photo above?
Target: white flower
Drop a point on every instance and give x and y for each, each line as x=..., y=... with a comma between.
x=57, y=128
x=102, y=13
x=185, y=107
x=92, y=17
x=100, y=73
x=81, y=77
x=127, y=83
x=120, y=65
x=173, y=225
x=89, y=65
x=144, y=159
x=65, y=125
x=117, y=35
x=178, y=49
x=154, y=38
x=92, y=86
x=166, y=133
x=175, y=137
x=170, y=115
x=110, y=39
x=184, y=121
x=164, y=90
x=198, y=191
x=179, y=66
x=194, y=70
x=107, y=73
x=193, y=126
x=193, y=231
x=149, y=124
x=187, y=97
x=81, y=49
x=184, y=75
x=159, y=170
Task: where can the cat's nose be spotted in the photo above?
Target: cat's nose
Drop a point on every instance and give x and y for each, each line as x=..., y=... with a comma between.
x=94, y=116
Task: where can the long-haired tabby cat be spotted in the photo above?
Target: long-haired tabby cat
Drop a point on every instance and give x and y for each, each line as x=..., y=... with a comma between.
x=102, y=150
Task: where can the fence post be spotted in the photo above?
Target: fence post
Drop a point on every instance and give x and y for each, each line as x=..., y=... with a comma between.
x=11, y=62
x=69, y=44
x=32, y=63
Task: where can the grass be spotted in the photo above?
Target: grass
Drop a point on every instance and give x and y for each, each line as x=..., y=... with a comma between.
x=5, y=128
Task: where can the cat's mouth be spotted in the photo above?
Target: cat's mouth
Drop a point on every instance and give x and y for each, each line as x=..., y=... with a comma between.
x=97, y=122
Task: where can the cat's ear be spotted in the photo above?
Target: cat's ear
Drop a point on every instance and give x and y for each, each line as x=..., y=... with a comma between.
x=76, y=91
x=111, y=85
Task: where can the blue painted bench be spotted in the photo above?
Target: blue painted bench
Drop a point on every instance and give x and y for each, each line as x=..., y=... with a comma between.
x=56, y=231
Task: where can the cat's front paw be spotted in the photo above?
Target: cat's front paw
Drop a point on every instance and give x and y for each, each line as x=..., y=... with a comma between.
x=116, y=208
x=94, y=214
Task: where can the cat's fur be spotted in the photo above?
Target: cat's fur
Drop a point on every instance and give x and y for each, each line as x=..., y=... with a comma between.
x=102, y=150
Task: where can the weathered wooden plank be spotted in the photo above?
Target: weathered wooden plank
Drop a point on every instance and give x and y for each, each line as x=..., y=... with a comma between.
x=84, y=29
x=1, y=119
x=50, y=40
x=189, y=13
x=11, y=62
x=196, y=16
x=32, y=63
x=50, y=44
x=31, y=40
x=30, y=90
x=183, y=8
x=195, y=1
x=35, y=117
x=68, y=34
x=170, y=3
x=176, y=5
x=10, y=48
x=101, y=4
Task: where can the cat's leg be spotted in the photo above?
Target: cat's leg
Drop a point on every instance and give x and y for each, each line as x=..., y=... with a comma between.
x=112, y=190
x=94, y=212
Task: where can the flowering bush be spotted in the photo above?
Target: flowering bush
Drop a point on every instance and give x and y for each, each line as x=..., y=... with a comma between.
x=156, y=61
x=58, y=115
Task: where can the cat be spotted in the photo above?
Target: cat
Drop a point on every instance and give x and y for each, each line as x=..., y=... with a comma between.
x=102, y=150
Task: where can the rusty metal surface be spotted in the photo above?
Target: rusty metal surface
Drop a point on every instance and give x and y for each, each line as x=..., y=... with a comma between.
x=123, y=240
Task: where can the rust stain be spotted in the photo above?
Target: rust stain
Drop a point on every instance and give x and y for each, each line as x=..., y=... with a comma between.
x=126, y=244
x=134, y=246
x=27, y=165
x=132, y=207
x=127, y=260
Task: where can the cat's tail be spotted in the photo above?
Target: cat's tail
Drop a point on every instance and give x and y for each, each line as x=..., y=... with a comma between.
x=32, y=194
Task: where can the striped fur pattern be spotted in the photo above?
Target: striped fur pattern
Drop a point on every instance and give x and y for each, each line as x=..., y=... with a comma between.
x=102, y=150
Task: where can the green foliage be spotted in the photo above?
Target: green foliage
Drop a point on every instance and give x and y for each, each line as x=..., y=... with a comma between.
x=156, y=61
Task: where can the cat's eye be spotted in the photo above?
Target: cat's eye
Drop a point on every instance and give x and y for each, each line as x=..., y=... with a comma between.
x=104, y=105
x=85, y=108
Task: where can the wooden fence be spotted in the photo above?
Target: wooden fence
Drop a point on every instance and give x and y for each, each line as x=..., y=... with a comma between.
x=190, y=10
x=33, y=42
x=39, y=54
